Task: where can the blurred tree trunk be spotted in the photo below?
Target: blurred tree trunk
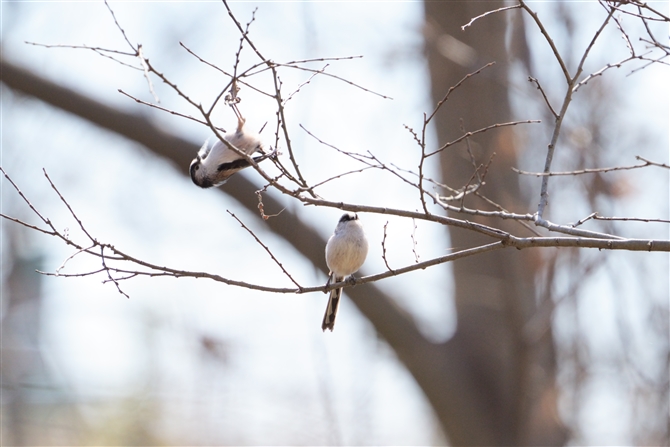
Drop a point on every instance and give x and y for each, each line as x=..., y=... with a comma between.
x=489, y=384
x=511, y=378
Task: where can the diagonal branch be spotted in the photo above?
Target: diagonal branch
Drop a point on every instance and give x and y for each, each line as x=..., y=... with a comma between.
x=267, y=250
x=378, y=307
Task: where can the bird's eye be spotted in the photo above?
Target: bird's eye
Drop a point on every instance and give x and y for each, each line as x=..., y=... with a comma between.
x=197, y=167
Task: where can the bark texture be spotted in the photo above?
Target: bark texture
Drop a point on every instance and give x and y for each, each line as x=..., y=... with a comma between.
x=510, y=378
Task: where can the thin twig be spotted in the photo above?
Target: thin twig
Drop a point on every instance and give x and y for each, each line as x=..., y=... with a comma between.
x=281, y=121
x=109, y=273
x=499, y=207
x=582, y=171
x=422, y=162
x=414, y=242
x=71, y=275
x=544, y=95
x=661, y=17
x=544, y=192
x=339, y=78
x=549, y=40
x=99, y=50
x=25, y=199
x=338, y=176
x=660, y=165
x=119, y=27
x=81, y=250
x=145, y=68
x=488, y=13
x=79, y=222
x=454, y=87
x=362, y=158
x=600, y=72
x=384, y=248
x=478, y=131
x=267, y=250
x=632, y=219
x=585, y=219
x=163, y=109
x=624, y=35
x=295, y=92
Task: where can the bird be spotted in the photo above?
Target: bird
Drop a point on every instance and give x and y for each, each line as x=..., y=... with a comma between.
x=346, y=251
x=213, y=166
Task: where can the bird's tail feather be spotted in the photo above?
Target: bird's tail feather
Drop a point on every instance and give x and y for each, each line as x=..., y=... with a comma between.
x=331, y=310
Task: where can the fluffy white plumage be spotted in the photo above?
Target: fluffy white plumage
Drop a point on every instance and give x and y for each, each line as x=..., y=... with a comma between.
x=213, y=166
x=346, y=251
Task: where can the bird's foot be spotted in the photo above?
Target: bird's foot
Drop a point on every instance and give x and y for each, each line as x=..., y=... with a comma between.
x=272, y=154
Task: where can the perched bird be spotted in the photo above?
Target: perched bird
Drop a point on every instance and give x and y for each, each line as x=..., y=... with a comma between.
x=213, y=166
x=345, y=253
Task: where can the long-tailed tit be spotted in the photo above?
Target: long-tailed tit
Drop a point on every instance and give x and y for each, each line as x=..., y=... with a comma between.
x=213, y=166
x=345, y=253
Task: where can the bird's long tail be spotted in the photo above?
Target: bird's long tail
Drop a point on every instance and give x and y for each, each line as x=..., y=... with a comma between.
x=331, y=310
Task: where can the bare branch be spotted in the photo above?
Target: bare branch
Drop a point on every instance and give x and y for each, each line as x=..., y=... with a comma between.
x=642, y=5
x=109, y=273
x=267, y=250
x=585, y=219
x=544, y=95
x=297, y=90
x=163, y=109
x=338, y=176
x=488, y=13
x=414, y=243
x=580, y=66
x=339, y=78
x=281, y=121
x=71, y=275
x=120, y=28
x=27, y=225
x=101, y=51
x=630, y=219
x=624, y=34
x=60, y=196
x=451, y=89
x=499, y=207
x=590, y=170
x=478, y=131
x=115, y=262
x=145, y=68
x=653, y=163
x=384, y=248
x=81, y=250
x=603, y=70
x=549, y=40
x=25, y=199
x=569, y=229
x=602, y=244
x=544, y=193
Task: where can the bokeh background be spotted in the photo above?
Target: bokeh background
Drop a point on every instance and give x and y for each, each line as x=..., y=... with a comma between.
x=197, y=362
